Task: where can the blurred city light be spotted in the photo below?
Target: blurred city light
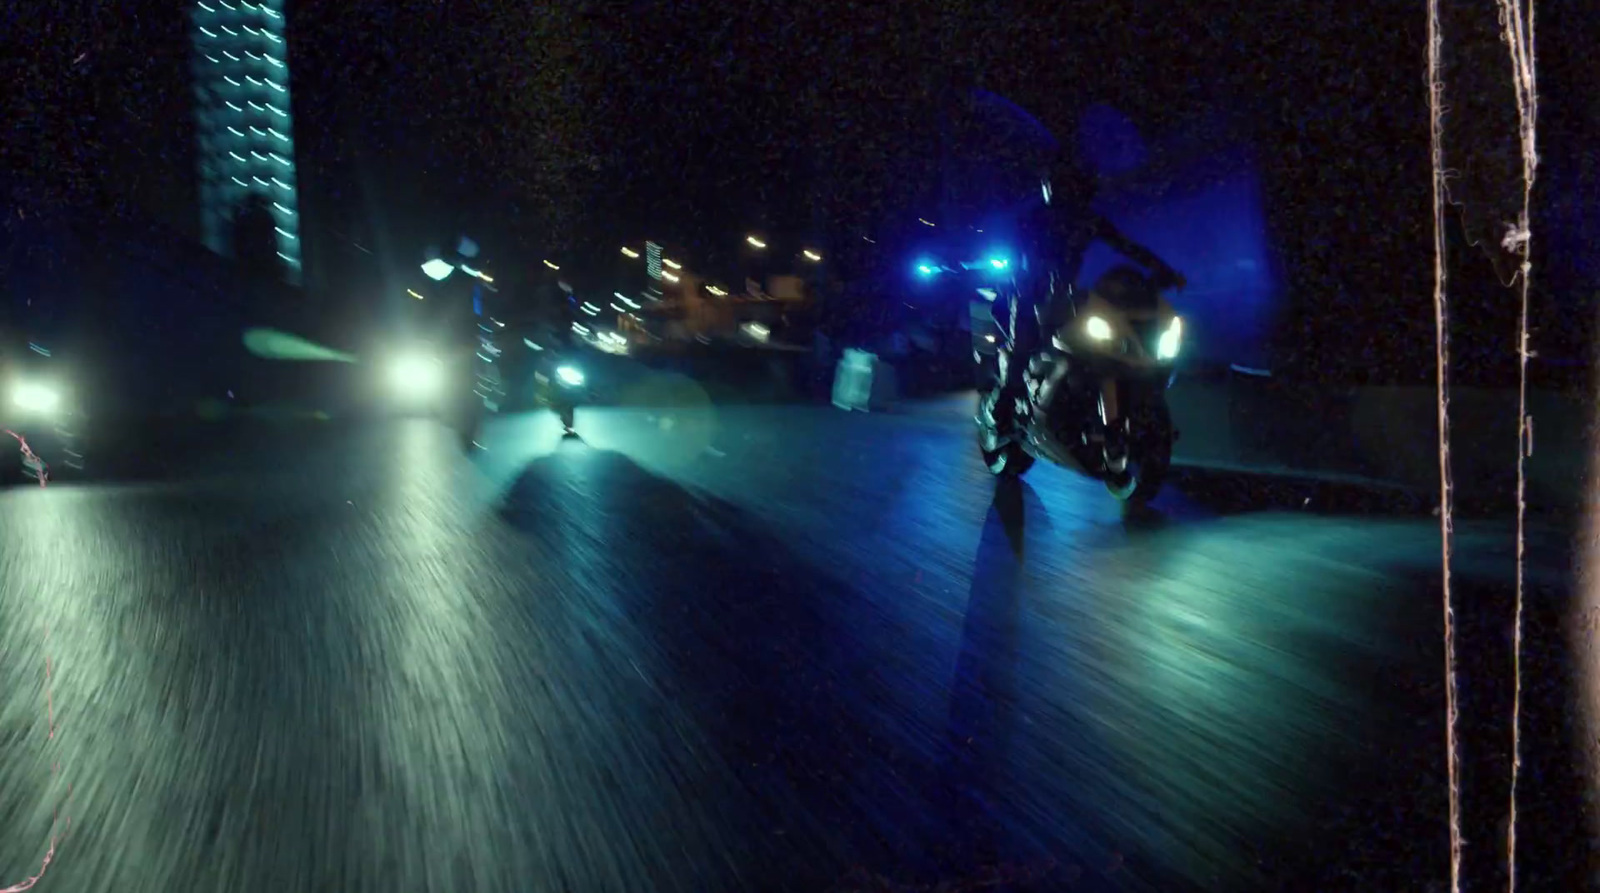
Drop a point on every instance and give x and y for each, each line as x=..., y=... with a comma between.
x=755, y=242
x=672, y=263
x=414, y=294
x=437, y=269
x=629, y=252
x=811, y=255
x=924, y=222
x=716, y=291
x=551, y=265
x=670, y=277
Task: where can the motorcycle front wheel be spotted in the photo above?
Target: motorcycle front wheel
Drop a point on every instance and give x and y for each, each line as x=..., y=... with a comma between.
x=1003, y=458
x=1149, y=452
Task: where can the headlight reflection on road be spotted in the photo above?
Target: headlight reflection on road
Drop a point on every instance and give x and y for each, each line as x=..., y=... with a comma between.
x=1225, y=691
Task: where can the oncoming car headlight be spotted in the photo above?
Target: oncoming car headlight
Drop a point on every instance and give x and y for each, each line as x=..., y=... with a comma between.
x=35, y=397
x=416, y=375
x=1097, y=329
x=1171, y=340
x=571, y=376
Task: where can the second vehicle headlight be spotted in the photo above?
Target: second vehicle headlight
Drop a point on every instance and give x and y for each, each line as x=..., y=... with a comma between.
x=1171, y=340
x=35, y=396
x=416, y=375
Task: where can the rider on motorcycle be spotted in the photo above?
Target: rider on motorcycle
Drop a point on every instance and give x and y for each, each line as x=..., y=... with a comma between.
x=1057, y=232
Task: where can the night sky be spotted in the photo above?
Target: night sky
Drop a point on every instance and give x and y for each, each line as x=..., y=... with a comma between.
x=564, y=129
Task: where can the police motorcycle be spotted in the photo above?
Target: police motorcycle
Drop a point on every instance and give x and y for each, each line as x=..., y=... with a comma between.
x=1095, y=386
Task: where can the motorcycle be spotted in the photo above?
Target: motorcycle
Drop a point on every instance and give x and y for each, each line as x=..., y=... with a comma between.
x=561, y=391
x=1096, y=387
x=40, y=419
x=544, y=378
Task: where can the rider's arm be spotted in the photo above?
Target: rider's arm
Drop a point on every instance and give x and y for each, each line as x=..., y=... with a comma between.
x=1108, y=233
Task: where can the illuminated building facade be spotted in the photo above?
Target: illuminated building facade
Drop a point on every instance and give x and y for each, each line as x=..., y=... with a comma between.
x=245, y=132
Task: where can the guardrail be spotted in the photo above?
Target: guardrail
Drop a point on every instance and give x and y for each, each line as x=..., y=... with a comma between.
x=1390, y=434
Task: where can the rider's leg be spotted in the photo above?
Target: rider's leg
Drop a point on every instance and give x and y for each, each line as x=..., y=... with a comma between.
x=1023, y=327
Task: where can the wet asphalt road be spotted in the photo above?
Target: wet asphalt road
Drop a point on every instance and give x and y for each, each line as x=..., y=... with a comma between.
x=738, y=649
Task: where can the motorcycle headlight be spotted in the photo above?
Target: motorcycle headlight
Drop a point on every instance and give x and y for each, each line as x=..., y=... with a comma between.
x=35, y=397
x=1097, y=328
x=416, y=375
x=1171, y=340
x=571, y=376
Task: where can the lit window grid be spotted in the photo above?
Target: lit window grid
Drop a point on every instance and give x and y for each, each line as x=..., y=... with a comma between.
x=246, y=134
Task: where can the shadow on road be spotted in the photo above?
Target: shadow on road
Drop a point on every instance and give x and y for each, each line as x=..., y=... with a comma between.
x=855, y=765
x=782, y=664
x=984, y=696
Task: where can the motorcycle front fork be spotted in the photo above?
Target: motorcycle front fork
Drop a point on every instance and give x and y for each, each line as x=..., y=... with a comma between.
x=1110, y=414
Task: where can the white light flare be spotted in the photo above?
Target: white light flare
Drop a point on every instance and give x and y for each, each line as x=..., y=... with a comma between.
x=1442, y=366
x=1516, y=20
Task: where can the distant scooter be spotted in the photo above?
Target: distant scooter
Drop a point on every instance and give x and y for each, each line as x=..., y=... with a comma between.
x=562, y=390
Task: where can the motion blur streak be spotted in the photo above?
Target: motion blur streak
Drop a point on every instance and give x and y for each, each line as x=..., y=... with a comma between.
x=1519, y=39
x=271, y=344
x=55, y=770
x=30, y=457
x=1442, y=334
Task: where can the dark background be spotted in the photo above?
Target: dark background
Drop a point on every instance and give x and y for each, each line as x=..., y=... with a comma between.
x=566, y=129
